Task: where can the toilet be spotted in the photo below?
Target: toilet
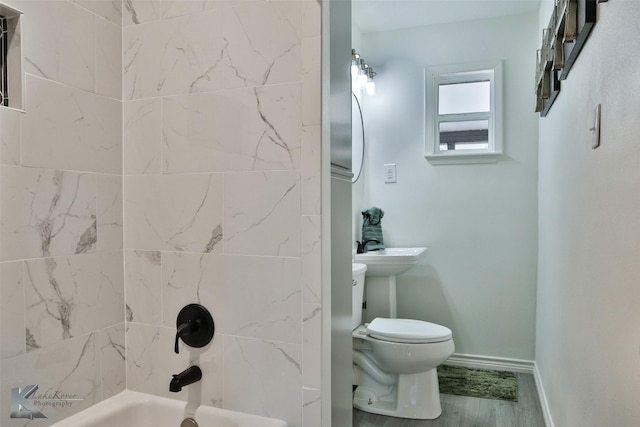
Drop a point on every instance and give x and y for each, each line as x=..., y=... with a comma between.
x=395, y=361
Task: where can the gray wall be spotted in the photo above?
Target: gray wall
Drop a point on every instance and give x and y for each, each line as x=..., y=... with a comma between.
x=588, y=322
x=479, y=221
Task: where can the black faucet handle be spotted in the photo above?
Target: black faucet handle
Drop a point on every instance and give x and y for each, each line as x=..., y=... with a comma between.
x=184, y=330
x=362, y=246
x=194, y=326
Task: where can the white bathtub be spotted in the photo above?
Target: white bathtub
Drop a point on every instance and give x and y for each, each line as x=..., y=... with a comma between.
x=133, y=409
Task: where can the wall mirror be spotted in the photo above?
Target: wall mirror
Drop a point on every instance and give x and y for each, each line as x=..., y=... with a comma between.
x=357, y=138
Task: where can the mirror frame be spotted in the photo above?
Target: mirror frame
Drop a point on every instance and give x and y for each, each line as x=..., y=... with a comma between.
x=357, y=150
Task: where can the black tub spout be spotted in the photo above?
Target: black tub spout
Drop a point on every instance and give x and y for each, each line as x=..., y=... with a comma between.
x=184, y=378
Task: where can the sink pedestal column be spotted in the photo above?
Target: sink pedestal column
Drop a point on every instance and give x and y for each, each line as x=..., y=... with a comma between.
x=380, y=278
x=380, y=297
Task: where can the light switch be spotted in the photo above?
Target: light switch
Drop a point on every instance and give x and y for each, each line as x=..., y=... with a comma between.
x=390, y=173
x=595, y=139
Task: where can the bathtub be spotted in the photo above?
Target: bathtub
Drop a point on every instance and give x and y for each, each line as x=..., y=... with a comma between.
x=133, y=409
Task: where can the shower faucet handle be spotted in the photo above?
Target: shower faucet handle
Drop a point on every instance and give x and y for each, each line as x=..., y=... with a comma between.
x=184, y=331
x=195, y=326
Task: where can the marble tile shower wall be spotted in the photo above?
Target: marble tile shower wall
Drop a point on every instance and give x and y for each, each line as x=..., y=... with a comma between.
x=207, y=114
x=61, y=245
x=221, y=207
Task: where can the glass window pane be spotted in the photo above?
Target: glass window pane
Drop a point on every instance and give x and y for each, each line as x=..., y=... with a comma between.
x=4, y=48
x=460, y=98
x=469, y=135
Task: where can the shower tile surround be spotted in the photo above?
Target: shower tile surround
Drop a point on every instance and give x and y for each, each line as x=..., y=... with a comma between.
x=62, y=325
x=170, y=153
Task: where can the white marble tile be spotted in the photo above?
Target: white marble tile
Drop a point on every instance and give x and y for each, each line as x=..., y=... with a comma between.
x=311, y=408
x=233, y=130
x=311, y=81
x=151, y=362
x=70, y=370
x=262, y=298
x=113, y=360
x=269, y=222
x=70, y=296
x=46, y=212
x=142, y=136
x=174, y=212
x=312, y=19
x=210, y=359
x=12, y=309
x=150, y=359
x=263, y=43
x=311, y=259
x=111, y=10
x=140, y=11
x=193, y=278
x=312, y=349
x=263, y=378
x=174, y=56
x=311, y=176
x=311, y=64
x=108, y=59
x=10, y=136
x=266, y=288
x=64, y=53
x=143, y=276
x=174, y=8
x=68, y=128
x=109, y=212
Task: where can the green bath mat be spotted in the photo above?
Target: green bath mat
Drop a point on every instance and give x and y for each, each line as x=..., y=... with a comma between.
x=500, y=385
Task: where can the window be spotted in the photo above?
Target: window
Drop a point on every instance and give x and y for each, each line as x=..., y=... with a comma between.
x=11, y=78
x=464, y=110
x=4, y=47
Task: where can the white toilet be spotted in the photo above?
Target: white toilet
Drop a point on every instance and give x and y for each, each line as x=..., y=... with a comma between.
x=395, y=361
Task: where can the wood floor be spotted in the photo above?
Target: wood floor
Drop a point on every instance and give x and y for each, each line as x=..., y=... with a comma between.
x=459, y=411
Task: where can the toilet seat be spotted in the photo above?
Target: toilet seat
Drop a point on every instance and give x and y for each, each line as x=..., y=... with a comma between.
x=407, y=331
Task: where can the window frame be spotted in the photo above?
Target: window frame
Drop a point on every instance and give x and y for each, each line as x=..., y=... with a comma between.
x=13, y=58
x=463, y=73
x=4, y=48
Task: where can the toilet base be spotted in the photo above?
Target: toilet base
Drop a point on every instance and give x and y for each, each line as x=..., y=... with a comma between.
x=416, y=396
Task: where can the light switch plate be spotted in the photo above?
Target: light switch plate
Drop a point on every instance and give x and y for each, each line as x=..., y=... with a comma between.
x=595, y=141
x=390, y=173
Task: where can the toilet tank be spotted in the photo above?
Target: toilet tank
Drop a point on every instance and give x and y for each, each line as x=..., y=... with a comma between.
x=357, y=288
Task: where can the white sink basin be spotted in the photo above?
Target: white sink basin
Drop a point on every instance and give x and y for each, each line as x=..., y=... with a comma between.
x=390, y=261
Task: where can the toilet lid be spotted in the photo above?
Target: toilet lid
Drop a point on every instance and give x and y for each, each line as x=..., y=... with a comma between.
x=407, y=330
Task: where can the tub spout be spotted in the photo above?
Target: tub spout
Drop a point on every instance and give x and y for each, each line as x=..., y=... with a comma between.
x=184, y=378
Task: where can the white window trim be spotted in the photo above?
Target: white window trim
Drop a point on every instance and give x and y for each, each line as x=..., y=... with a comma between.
x=460, y=74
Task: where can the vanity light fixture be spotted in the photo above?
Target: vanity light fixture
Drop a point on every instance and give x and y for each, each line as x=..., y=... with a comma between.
x=355, y=64
x=370, y=86
x=361, y=74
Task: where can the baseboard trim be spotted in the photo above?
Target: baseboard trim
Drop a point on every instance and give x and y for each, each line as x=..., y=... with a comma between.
x=492, y=363
x=546, y=413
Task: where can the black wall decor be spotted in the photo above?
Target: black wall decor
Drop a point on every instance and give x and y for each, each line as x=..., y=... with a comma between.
x=569, y=26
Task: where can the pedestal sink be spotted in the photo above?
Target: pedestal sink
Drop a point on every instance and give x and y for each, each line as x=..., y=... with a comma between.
x=380, y=281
